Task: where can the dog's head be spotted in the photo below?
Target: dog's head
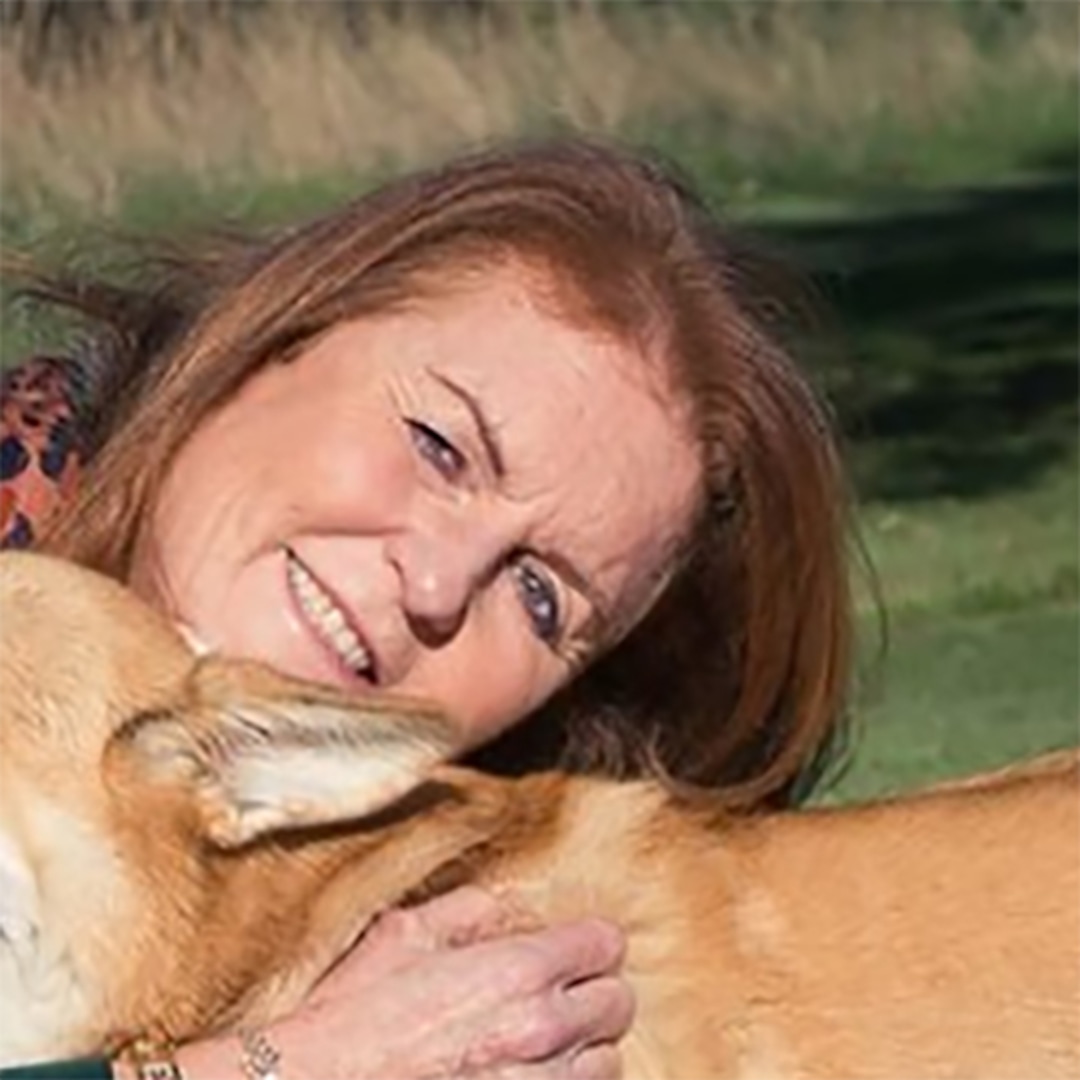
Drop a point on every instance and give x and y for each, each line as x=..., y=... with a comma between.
x=92, y=681
x=135, y=779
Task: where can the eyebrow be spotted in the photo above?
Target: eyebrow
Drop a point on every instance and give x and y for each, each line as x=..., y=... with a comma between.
x=600, y=617
x=488, y=435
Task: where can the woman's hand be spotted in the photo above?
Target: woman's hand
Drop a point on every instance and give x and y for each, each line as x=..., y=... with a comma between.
x=430, y=992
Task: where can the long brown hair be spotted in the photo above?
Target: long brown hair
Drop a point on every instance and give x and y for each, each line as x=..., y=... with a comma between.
x=738, y=677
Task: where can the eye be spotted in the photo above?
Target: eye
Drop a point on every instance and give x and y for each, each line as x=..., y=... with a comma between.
x=540, y=599
x=436, y=449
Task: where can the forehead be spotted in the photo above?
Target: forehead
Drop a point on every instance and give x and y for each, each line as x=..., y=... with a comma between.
x=598, y=445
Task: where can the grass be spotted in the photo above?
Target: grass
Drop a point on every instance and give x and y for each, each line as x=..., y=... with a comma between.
x=972, y=557
x=961, y=693
x=981, y=664
x=754, y=94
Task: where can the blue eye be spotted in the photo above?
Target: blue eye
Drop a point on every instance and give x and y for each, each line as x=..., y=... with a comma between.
x=437, y=450
x=540, y=600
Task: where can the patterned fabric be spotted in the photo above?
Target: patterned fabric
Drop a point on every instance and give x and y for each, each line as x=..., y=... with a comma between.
x=40, y=453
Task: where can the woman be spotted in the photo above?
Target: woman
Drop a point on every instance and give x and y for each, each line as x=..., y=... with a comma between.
x=511, y=435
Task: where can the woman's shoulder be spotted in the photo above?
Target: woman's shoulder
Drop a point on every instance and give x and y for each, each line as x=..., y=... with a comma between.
x=40, y=447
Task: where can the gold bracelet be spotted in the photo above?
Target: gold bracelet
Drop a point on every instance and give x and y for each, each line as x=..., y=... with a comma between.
x=154, y=1060
x=259, y=1058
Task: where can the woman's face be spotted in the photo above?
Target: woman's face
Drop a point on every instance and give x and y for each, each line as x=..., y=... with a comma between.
x=461, y=501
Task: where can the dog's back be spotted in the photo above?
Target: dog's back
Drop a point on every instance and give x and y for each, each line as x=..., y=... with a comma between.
x=935, y=935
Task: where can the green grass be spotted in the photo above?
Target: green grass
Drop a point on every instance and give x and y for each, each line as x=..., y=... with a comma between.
x=1001, y=135
x=983, y=642
x=999, y=555
x=962, y=693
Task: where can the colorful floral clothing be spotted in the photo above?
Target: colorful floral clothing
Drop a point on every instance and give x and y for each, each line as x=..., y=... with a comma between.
x=41, y=454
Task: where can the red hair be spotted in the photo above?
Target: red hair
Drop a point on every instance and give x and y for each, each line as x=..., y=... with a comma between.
x=739, y=675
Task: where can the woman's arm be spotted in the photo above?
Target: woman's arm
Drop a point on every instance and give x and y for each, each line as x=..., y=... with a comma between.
x=430, y=993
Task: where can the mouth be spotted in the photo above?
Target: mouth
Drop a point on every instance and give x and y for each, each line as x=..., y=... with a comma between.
x=331, y=623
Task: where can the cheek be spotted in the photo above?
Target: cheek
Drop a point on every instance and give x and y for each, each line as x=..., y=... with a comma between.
x=244, y=484
x=489, y=680
x=306, y=438
x=355, y=475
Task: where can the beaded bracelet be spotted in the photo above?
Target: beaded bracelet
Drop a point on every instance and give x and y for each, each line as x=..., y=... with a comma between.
x=259, y=1058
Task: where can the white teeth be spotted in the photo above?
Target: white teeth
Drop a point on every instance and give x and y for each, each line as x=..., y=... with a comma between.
x=327, y=617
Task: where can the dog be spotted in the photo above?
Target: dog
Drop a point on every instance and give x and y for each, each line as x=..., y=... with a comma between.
x=188, y=843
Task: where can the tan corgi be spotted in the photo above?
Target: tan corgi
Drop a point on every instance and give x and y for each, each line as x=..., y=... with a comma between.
x=188, y=843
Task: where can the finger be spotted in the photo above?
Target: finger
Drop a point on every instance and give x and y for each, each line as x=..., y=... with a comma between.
x=601, y=1061
x=524, y=966
x=552, y=1025
x=582, y=949
x=601, y=1009
x=455, y=918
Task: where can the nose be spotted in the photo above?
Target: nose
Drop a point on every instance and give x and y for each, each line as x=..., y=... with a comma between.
x=442, y=565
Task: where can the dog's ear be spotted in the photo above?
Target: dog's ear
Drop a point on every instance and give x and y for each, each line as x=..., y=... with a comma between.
x=260, y=752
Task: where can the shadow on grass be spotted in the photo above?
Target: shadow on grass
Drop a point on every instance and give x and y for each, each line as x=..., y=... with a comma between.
x=959, y=370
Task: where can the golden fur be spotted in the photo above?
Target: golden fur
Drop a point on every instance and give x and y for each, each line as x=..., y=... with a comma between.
x=188, y=843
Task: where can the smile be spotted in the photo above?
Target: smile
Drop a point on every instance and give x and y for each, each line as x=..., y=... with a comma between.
x=327, y=619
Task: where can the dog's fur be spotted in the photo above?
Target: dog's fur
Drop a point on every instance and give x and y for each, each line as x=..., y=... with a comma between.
x=189, y=843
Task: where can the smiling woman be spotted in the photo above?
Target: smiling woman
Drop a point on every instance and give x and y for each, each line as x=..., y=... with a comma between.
x=511, y=435
x=430, y=528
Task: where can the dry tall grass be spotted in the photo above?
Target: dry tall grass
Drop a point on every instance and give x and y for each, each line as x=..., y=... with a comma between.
x=294, y=91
